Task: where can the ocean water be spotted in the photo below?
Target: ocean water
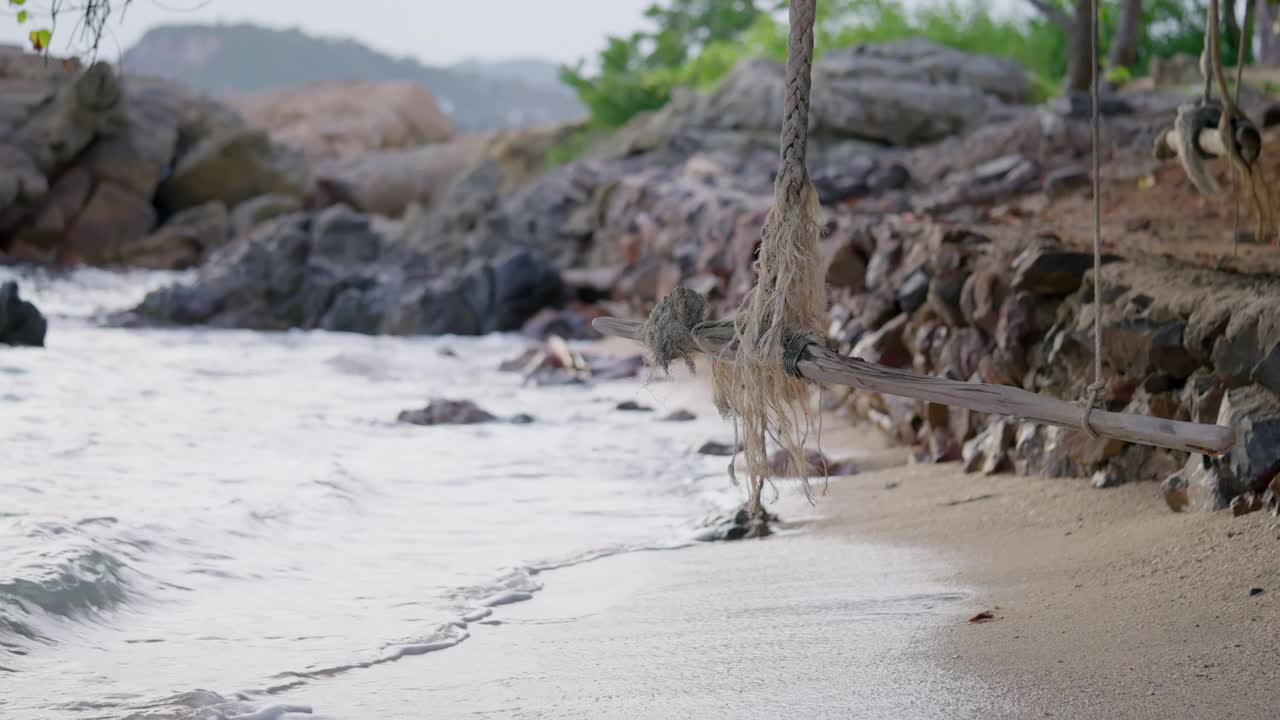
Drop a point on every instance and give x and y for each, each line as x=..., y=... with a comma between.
x=196, y=523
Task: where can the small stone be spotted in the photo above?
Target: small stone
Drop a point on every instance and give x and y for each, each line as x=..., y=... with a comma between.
x=447, y=412
x=20, y=322
x=1254, y=592
x=633, y=406
x=521, y=362
x=1107, y=477
x=522, y=419
x=885, y=346
x=1047, y=271
x=718, y=449
x=913, y=291
x=1174, y=489
x=680, y=415
x=1246, y=503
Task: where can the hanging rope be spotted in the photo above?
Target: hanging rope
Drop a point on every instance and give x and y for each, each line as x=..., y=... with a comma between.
x=754, y=380
x=1098, y=384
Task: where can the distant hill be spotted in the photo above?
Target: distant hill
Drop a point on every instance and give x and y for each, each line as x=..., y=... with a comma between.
x=227, y=60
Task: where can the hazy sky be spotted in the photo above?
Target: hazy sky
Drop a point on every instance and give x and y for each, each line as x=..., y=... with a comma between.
x=435, y=31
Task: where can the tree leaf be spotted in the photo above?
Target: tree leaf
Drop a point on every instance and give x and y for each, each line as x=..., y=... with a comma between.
x=18, y=2
x=39, y=39
x=22, y=16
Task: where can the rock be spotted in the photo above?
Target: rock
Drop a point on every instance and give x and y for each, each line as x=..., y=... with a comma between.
x=522, y=419
x=962, y=354
x=740, y=525
x=20, y=322
x=233, y=167
x=182, y=242
x=521, y=362
x=1237, y=350
x=447, y=412
x=909, y=92
x=681, y=415
x=718, y=449
x=1202, y=397
x=845, y=268
x=633, y=406
x=614, y=368
x=1254, y=412
x=1168, y=354
x=885, y=346
x=1267, y=372
x=389, y=182
x=249, y=214
x=1063, y=180
x=1246, y=503
x=982, y=298
x=1175, y=492
x=913, y=291
x=1017, y=324
x=345, y=118
x=497, y=295
x=565, y=323
x=1046, y=272
x=989, y=451
x=816, y=465
x=331, y=270
x=891, y=176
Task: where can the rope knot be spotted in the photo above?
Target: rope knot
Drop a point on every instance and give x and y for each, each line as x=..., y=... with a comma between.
x=668, y=333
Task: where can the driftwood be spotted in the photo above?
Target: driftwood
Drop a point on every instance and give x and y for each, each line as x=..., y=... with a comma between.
x=818, y=364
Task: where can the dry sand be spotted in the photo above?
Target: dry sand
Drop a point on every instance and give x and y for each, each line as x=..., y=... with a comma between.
x=1106, y=604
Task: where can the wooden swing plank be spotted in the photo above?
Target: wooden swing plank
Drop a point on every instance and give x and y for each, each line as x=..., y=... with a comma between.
x=822, y=365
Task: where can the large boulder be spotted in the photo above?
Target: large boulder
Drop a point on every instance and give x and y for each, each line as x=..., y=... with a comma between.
x=388, y=182
x=333, y=270
x=904, y=93
x=20, y=322
x=233, y=166
x=344, y=119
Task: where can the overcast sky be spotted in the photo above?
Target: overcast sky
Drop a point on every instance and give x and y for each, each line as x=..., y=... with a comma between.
x=434, y=31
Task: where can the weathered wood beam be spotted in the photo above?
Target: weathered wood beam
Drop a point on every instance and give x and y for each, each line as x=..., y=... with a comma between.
x=821, y=365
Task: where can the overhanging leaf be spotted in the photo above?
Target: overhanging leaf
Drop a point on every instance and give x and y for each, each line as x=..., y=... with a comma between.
x=22, y=16
x=39, y=39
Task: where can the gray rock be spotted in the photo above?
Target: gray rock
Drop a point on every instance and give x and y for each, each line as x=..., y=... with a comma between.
x=447, y=412
x=250, y=213
x=332, y=270
x=1254, y=412
x=20, y=322
x=182, y=242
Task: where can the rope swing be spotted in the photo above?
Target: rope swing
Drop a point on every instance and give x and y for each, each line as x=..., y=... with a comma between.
x=761, y=360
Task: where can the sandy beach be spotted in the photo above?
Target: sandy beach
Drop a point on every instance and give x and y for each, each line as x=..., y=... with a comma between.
x=1105, y=605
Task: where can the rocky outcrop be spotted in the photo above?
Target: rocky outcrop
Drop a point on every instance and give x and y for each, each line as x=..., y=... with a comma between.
x=332, y=270
x=904, y=93
x=388, y=182
x=91, y=163
x=346, y=119
x=20, y=322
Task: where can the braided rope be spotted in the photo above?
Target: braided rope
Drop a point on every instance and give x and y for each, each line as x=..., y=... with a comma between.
x=792, y=174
